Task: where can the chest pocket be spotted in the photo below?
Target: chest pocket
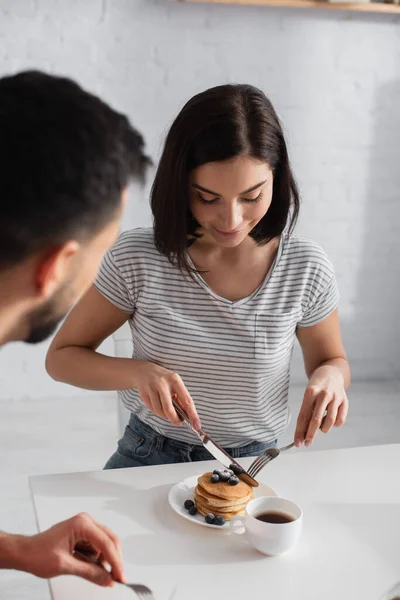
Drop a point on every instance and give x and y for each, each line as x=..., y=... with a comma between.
x=274, y=337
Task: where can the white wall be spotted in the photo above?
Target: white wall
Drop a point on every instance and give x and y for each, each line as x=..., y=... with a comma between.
x=334, y=78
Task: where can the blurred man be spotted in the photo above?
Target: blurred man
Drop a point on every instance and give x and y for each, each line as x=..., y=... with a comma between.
x=66, y=159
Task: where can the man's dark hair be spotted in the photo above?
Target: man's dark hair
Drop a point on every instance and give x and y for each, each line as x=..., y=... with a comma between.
x=218, y=124
x=65, y=157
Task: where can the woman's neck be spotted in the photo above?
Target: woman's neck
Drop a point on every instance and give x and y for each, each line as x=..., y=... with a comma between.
x=205, y=249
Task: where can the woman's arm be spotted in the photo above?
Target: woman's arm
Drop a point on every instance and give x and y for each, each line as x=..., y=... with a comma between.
x=328, y=371
x=73, y=358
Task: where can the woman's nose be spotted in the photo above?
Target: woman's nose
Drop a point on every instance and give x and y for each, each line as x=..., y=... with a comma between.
x=231, y=218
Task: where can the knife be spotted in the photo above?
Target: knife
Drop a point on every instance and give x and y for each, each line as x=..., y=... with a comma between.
x=213, y=448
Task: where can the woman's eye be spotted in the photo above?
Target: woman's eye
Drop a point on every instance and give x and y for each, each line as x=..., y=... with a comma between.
x=205, y=201
x=253, y=199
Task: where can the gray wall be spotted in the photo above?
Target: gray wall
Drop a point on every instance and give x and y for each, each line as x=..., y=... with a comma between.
x=335, y=80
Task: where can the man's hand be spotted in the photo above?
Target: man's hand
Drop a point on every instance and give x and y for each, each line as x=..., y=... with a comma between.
x=51, y=553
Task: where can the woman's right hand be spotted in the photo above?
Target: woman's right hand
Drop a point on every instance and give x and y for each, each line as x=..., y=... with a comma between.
x=157, y=386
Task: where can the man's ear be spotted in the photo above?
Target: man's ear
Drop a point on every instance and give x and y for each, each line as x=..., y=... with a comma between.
x=55, y=268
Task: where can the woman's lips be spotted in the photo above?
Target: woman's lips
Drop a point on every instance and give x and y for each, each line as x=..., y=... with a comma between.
x=228, y=233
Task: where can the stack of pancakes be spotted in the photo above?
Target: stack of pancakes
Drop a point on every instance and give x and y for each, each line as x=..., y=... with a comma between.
x=221, y=498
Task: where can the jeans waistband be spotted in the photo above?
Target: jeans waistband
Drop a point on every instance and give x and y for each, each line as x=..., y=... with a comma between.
x=146, y=431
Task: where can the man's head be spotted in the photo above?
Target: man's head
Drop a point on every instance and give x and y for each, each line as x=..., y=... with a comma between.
x=66, y=159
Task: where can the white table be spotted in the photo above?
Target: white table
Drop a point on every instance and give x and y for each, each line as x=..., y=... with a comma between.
x=350, y=548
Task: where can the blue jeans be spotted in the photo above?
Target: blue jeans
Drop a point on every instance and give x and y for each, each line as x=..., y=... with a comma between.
x=142, y=446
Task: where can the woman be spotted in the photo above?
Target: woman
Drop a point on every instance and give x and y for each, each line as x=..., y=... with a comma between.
x=215, y=295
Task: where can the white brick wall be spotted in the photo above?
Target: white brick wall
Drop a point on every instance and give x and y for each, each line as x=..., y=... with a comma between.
x=335, y=80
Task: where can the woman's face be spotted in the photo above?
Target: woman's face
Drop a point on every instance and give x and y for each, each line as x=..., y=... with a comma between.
x=230, y=197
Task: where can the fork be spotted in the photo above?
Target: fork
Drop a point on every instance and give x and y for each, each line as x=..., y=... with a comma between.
x=261, y=461
x=142, y=591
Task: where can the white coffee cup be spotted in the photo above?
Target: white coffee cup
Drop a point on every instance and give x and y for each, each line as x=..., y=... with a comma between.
x=273, y=538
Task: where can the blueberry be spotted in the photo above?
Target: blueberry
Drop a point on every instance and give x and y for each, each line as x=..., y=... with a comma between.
x=193, y=510
x=237, y=470
x=225, y=476
x=210, y=518
x=219, y=521
x=217, y=472
x=234, y=480
x=188, y=504
x=215, y=478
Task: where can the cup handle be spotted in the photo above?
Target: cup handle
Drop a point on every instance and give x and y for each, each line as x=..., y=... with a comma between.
x=237, y=524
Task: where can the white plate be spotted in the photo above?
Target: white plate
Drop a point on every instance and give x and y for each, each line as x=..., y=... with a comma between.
x=184, y=490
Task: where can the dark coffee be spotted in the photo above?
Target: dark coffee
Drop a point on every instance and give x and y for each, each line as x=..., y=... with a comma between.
x=274, y=516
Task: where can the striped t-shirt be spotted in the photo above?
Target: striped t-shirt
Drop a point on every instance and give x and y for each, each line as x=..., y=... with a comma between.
x=233, y=357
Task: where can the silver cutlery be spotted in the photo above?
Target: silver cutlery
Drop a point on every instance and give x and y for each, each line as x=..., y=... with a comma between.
x=214, y=449
x=394, y=593
x=141, y=591
x=261, y=461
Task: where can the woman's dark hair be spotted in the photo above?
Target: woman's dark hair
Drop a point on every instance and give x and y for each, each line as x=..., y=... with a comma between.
x=218, y=124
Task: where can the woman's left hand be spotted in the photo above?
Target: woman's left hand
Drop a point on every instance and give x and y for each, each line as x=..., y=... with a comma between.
x=324, y=393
